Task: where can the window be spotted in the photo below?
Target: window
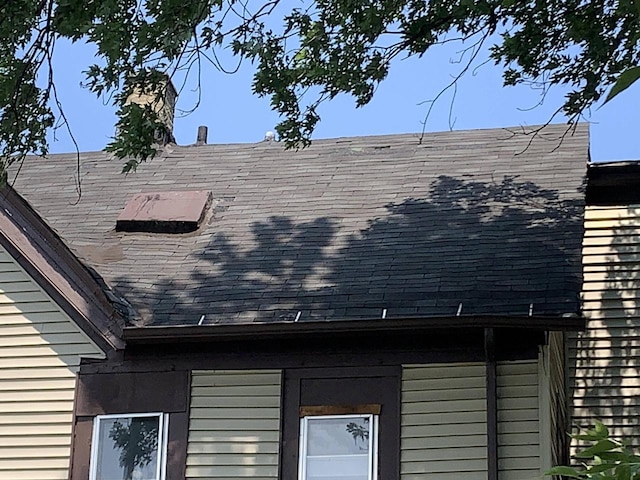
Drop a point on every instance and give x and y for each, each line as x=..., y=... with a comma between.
x=129, y=447
x=327, y=412
x=337, y=447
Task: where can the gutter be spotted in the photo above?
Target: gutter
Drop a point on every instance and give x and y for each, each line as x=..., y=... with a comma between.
x=177, y=334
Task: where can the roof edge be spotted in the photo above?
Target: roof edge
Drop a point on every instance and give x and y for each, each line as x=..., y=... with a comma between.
x=52, y=265
x=177, y=334
x=613, y=183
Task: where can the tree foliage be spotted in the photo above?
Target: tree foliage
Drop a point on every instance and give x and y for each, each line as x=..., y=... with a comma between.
x=604, y=458
x=305, y=51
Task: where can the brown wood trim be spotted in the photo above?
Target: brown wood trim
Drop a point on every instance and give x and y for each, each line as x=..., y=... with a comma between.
x=48, y=260
x=342, y=371
x=177, y=445
x=492, y=405
x=124, y=393
x=339, y=328
x=365, y=409
x=343, y=386
x=611, y=184
x=111, y=393
x=433, y=347
x=81, y=448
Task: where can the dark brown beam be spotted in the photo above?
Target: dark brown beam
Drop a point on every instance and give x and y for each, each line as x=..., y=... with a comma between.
x=337, y=328
x=492, y=404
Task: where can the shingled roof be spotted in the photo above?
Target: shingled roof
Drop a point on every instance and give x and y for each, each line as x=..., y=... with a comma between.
x=483, y=222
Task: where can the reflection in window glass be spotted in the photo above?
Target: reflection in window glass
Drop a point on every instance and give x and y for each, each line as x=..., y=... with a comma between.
x=127, y=447
x=338, y=447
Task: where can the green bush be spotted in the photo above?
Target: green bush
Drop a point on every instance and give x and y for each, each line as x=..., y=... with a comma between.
x=603, y=459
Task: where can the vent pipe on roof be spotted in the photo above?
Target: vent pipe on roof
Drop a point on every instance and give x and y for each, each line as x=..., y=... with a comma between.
x=162, y=100
x=202, y=135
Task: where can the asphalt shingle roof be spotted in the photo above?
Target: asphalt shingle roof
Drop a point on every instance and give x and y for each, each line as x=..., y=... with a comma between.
x=343, y=229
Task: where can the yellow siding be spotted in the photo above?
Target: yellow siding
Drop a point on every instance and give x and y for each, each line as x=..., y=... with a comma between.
x=443, y=431
x=604, y=365
x=40, y=351
x=234, y=425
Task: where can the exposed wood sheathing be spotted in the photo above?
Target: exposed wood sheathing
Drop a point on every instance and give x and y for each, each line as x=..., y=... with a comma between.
x=604, y=359
x=234, y=425
x=40, y=351
x=443, y=433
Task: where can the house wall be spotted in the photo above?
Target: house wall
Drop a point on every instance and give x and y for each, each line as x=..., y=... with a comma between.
x=235, y=420
x=443, y=434
x=520, y=421
x=604, y=359
x=234, y=424
x=40, y=351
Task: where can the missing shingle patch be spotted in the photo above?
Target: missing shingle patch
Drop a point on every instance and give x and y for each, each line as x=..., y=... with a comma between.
x=164, y=212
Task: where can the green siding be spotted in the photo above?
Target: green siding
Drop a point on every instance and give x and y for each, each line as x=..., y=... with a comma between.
x=234, y=425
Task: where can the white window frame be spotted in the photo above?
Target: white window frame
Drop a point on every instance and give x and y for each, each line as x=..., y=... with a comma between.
x=163, y=430
x=373, y=441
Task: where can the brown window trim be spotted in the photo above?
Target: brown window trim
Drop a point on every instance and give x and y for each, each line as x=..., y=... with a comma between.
x=306, y=389
x=124, y=393
x=316, y=410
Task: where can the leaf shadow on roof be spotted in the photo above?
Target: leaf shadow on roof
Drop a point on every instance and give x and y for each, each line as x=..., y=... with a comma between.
x=493, y=247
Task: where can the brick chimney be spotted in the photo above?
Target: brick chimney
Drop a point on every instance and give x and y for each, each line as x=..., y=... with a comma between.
x=163, y=103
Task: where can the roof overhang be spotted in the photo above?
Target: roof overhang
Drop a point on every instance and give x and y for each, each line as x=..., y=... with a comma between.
x=340, y=328
x=614, y=183
x=47, y=259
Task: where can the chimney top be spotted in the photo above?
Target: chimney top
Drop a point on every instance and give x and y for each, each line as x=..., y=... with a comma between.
x=163, y=102
x=201, y=139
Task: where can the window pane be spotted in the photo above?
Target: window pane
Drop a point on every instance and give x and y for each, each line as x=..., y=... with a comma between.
x=128, y=448
x=338, y=436
x=327, y=468
x=338, y=448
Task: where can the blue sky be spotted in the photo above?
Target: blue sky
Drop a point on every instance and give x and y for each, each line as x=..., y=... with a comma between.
x=234, y=115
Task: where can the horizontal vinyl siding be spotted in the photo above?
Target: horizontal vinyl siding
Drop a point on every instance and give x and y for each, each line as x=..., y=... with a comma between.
x=443, y=430
x=40, y=351
x=234, y=425
x=518, y=421
x=604, y=367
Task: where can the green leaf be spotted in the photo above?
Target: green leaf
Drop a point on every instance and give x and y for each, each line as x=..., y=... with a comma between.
x=565, y=472
x=601, y=429
x=625, y=80
x=601, y=468
x=602, y=446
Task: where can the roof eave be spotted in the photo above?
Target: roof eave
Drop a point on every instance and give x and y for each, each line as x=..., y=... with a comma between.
x=176, y=334
x=93, y=316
